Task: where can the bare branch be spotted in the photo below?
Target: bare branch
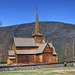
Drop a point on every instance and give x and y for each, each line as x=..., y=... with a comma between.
x=0, y=23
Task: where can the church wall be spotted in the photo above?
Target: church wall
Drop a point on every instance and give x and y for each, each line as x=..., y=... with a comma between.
x=47, y=54
x=8, y=60
x=11, y=61
x=38, y=39
x=25, y=59
x=47, y=49
x=22, y=59
x=26, y=48
x=31, y=58
x=55, y=59
x=13, y=47
x=45, y=57
x=39, y=58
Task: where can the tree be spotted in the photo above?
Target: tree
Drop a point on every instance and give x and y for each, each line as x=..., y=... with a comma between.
x=0, y=23
x=73, y=48
x=67, y=52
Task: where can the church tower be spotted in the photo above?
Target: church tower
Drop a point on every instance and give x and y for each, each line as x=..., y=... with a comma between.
x=37, y=35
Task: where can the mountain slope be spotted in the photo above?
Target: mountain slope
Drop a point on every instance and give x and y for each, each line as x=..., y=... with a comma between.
x=57, y=32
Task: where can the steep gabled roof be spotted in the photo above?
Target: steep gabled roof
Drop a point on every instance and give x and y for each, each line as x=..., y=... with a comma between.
x=11, y=52
x=24, y=41
x=12, y=58
x=50, y=44
x=26, y=51
x=42, y=46
x=39, y=50
x=54, y=53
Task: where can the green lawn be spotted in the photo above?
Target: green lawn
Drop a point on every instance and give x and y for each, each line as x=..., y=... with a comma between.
x=45, y=71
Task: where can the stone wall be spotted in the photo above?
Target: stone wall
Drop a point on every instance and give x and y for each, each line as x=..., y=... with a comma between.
x=36, y=67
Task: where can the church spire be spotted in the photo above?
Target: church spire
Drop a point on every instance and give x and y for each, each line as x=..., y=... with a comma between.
x=37, y=35
x=37, y=30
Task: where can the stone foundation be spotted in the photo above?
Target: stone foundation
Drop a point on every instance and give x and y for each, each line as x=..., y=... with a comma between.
x=36, y=67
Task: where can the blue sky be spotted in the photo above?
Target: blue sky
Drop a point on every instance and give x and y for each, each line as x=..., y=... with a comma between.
x=14, y=12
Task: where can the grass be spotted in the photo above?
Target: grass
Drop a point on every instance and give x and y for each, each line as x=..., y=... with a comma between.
x=45, y=71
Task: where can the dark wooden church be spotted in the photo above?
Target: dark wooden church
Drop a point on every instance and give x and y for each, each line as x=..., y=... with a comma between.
x=32, y=50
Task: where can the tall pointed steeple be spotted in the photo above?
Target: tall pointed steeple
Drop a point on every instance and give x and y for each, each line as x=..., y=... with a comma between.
x=37, y=30
x=37, y=35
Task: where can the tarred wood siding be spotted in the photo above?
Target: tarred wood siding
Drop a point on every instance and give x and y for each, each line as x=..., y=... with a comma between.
x=31, y=59
x=47, y=54
x=37, y=59
x=47, y=49
x=25, y=58
x=45, y=57
x=55, y=59
x=26, y=48
x=13, y=61
x=38, y=39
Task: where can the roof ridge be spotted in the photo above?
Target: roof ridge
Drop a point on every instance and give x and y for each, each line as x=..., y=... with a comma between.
x=26, y=50
x=24, y=37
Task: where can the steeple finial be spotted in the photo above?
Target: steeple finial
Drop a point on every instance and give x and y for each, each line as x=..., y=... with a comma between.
x=37, y=30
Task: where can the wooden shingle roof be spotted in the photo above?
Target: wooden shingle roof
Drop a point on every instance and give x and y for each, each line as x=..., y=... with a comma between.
x=50, y=44
x=12, y=58
x=24, y=42
x=11, y=52
x=54, y=53
x=38, y=51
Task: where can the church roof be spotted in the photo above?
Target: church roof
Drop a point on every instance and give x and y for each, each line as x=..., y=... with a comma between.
x=54, y=53
x=50, y=44
x=41, y=48
x=26, y=51
x=38, y=51
x=11, y=52
x=12, y=58
x=24, y=41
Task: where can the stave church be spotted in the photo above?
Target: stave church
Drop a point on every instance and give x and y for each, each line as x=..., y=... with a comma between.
x=32, y=50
